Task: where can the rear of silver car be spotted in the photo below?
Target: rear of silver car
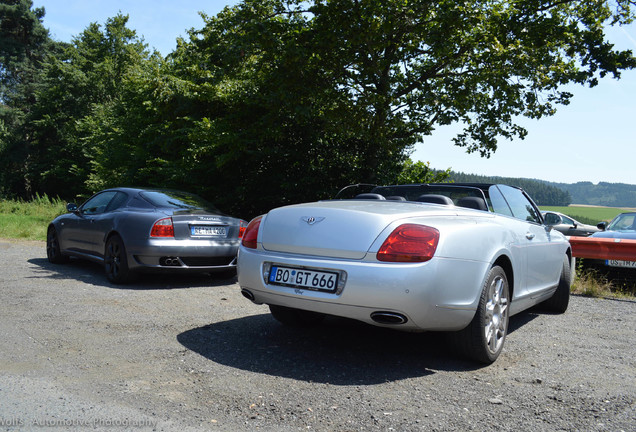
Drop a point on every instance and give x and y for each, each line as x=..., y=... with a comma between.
x=323, y=258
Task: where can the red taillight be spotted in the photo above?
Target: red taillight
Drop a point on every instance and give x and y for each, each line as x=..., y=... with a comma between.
x=409, y=243
x=162, y=228
x=242, y=228
x=251, y=233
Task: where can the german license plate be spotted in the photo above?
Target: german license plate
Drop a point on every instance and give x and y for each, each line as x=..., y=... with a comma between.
x=303, y=278
x=208, y=230
x=620, y=263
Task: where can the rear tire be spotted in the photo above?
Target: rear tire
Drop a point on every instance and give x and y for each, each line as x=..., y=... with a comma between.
x=295, y=317
x=484, y=338
x=116, y=261
x=53, y=250
x=561, y=298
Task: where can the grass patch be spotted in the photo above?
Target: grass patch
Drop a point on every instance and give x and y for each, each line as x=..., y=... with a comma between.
x=28, y=220
x=591, y=283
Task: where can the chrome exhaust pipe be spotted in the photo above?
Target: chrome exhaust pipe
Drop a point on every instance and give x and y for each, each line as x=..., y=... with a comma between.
x=389, y=318
x=170, y=261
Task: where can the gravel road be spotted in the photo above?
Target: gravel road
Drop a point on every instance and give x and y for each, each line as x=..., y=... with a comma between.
x=190, y=354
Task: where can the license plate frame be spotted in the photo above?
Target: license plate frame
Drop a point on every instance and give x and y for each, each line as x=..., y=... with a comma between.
x=621, y=264
x=304, y=278
x=208, y=231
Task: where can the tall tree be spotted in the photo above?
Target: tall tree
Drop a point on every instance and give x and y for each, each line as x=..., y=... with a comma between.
x=78, y=85
x=24, y=44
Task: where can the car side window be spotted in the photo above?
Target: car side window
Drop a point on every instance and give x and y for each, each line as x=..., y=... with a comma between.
x=522, y=208
x=119, y=200
x=498, y=202
x=567, y=220
x=98, y=203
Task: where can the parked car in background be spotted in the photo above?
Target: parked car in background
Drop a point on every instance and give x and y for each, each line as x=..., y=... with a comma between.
x=622, y=226
x=451, y=257
x=129, y=230
x=567, y=225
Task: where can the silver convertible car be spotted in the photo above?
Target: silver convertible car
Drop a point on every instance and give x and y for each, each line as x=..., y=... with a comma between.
x=132, y=229
x=439, y=257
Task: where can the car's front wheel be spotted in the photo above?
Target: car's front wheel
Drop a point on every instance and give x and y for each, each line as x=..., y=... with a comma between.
x=53, y=250
x=483, y=339
x=116, y=261
x=295, y=317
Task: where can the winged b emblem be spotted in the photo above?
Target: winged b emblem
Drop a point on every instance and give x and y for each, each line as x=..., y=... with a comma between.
x=312, y=219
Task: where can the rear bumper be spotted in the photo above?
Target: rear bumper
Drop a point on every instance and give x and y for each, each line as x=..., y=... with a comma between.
x=183, y=255
x=441, y=294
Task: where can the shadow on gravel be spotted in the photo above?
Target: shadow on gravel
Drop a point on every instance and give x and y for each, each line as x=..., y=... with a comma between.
x=338, y=351
x=93, y=274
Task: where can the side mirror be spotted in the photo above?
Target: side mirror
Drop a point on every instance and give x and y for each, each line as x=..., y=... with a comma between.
x=602, y=226
x=71, y=208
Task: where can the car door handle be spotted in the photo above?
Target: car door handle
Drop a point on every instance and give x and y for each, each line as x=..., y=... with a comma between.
x=529, y=236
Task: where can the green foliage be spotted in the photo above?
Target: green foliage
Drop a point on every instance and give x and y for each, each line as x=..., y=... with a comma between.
x=277, y=101
x=28, y=219
x=420, y=172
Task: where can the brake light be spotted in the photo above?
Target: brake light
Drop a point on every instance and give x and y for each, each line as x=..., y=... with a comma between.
x=251, y=233
x=162, y=228
x=242, y=228
x=409, y=243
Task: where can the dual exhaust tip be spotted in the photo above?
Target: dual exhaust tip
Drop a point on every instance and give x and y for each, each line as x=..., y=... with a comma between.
x=381, y=317
x=170, y=262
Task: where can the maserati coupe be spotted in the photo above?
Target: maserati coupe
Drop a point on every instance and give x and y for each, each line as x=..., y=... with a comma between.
x=460, y=258
x=130, y=230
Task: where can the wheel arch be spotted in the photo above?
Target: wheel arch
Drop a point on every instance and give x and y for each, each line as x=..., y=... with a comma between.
x=505, y=263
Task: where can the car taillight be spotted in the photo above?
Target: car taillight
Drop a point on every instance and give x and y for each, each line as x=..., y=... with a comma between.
x=242, y=228
x=162, y=228
x=251, y=233
x=409, y=243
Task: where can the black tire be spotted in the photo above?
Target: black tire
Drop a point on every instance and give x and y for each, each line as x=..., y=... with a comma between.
x=53, y=251
x=560, y=300
x=116, y=261
x=295, y=317
x=483, y=339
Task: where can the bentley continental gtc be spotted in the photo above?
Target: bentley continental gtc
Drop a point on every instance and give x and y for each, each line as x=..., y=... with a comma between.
x=460, y=258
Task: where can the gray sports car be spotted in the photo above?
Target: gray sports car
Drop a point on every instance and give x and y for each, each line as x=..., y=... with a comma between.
x=452, y=257
x=134, y=229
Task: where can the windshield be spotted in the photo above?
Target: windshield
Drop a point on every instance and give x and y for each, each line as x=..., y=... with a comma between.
x=179, y=201
x=623, y=222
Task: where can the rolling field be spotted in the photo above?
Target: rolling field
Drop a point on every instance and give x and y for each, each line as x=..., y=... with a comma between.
x=588, y=214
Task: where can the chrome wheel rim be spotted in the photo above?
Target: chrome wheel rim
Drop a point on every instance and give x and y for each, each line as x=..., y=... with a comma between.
x=496, y=319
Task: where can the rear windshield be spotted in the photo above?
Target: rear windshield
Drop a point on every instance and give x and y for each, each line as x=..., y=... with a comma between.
x=415, y=192
x=179, y=201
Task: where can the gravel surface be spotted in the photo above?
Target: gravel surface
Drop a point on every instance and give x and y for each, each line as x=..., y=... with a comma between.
x=177, y=353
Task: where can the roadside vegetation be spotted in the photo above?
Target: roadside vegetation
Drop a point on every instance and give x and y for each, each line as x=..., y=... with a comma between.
x=28, y=220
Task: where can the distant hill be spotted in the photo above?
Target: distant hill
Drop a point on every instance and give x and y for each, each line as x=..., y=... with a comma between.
x=602, y=194
x=563, y=194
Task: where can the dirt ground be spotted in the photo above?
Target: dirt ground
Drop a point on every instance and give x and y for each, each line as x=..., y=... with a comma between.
x=190, y=353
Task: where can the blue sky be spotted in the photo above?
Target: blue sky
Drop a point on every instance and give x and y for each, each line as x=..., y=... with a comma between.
x=592, y=139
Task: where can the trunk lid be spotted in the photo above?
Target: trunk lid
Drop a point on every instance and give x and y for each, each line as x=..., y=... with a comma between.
x=337, y=229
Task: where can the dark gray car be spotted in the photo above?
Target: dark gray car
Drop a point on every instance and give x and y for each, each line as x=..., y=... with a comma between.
x=135, y=229
x=567, y=225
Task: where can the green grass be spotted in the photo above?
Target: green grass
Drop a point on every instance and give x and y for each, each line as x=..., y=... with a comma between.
x=588, y=215
x=28, y=220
